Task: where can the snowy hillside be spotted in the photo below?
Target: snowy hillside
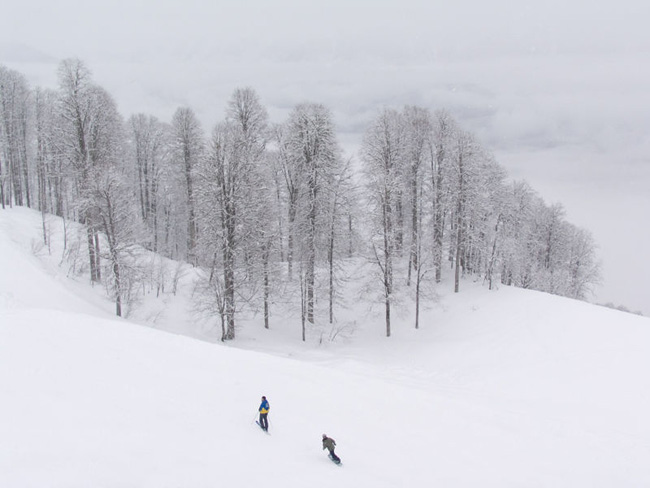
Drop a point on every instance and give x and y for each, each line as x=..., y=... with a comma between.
x=509, y=388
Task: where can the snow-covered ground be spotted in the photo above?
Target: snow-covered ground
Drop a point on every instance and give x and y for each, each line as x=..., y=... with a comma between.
x=506, y=388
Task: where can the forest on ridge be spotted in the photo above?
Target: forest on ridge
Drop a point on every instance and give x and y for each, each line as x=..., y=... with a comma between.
x=263, y=210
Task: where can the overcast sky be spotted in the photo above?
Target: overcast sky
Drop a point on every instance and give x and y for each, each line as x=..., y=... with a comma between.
x=559, y=91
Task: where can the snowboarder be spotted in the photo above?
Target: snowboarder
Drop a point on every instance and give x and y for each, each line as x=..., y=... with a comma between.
x=329, y=444
x=264, y=413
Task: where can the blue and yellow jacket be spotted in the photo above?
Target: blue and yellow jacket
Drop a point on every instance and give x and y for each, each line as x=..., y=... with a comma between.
x=264, y=407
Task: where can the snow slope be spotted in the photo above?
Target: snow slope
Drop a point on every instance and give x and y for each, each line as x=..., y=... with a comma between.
x=511, y=388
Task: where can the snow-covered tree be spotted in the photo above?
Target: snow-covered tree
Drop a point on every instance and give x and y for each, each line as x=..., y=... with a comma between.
x=15, y=108
x=227, y=185
x=313, y=152
x=187, y=151
x=382, y=156
x=444, y=130
x=150, y=151
x=81, y=112
x=417, y=157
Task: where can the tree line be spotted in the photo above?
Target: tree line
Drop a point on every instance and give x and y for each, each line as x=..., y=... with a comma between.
x=260, y=208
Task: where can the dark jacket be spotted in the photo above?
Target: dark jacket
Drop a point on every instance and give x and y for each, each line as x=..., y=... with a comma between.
x=329, y=443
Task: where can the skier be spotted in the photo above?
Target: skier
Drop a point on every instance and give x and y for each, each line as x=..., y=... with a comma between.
x=329, y=444
x=264, y=412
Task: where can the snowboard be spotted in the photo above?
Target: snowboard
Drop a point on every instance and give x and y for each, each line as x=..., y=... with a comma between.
x=338, y=463
x=260, y=426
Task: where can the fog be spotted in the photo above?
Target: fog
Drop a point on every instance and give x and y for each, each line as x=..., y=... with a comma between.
x=558, y=91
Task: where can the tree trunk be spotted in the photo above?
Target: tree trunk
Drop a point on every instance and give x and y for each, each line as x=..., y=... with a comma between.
x=94, y=274
x=413, y=254
x=350, y=249
x=24, y=163
x=417, y=299
x=228, y=225
x=490, y=267
x=388, y=264
x=229, y=284
x=118, y=287
x=97, y=254
x=311, y=252
x=330, y=257
x=2, y=185
x=265, y=257
x=290, y=243
x=438, y=217
x=387, y=311
x=303, y=304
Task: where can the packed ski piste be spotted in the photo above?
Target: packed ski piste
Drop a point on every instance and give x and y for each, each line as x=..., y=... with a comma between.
x=502, y=388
